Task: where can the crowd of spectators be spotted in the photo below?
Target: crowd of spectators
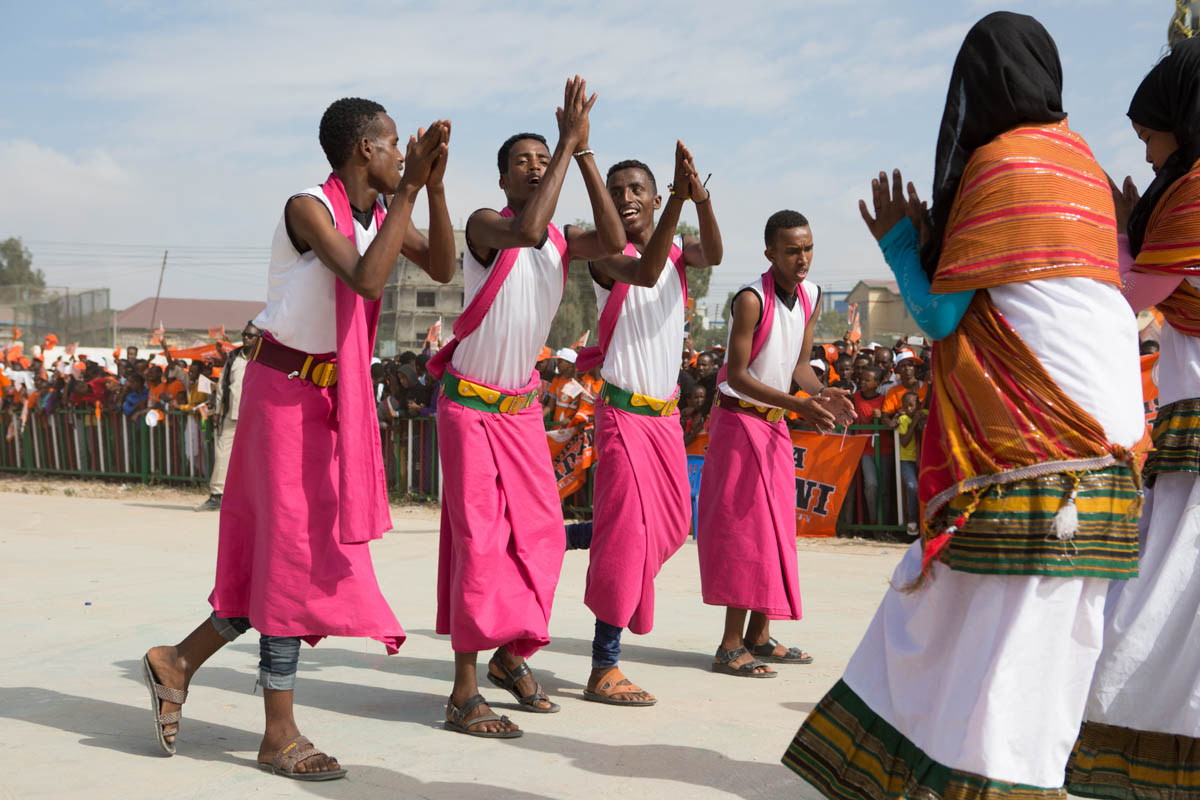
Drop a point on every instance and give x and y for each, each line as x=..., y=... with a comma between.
x=888, y=385
x=131, y=385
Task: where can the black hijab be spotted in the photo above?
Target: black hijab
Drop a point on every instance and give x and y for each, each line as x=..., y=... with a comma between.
x=1168, y=100
x=1007, y=73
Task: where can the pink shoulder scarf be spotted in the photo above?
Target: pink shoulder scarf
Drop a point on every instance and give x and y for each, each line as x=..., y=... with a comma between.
x=477, y=309
x=362, y=496
x=763, y=330
x=591, y=357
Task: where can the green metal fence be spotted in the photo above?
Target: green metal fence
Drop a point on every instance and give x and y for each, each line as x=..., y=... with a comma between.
x=180, y=450
x=108, y=444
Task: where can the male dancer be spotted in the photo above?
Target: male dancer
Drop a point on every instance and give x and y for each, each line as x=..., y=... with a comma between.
x=502, y=529
x=642, y=500
x=292, y=557
x=746, y=530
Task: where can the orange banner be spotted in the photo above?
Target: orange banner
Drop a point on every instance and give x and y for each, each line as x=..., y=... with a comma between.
x=571, y=453
x=825, y=468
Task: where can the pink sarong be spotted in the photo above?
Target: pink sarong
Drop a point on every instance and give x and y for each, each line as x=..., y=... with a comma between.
x=502, y=539
x=643, y=505
x=280, y=558
x=746, y=531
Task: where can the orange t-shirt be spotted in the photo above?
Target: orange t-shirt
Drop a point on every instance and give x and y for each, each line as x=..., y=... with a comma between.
x=587, y=401
x=891, y=403
x=568, y=392
x=1149, y=387
x=170, y=388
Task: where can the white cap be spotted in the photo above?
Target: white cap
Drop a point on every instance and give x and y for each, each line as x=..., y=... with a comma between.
x=36, y=350
x=567, y=354
x=817, y=363
x=905, y=355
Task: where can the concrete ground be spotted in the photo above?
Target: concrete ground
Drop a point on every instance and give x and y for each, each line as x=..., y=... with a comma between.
x=88, y=584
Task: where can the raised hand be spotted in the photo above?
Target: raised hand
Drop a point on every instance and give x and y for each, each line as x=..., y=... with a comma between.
x=438, y=172
x=696, y=188
x=573, y=124
x=422, y=151
x=918, y=212
x=1124, y=199
x=681, y=183
x=890, y=206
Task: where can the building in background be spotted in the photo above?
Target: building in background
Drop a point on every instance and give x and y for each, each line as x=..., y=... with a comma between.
x=882, y=312
x=186, y=322
x=412, y=302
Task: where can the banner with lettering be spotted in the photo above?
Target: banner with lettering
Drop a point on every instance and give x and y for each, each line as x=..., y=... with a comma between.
x=825, y=468
x=571, y=453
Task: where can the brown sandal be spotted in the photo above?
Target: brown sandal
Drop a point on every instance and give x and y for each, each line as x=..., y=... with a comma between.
x=613, y=683
x=159, y=693
x=285, y=761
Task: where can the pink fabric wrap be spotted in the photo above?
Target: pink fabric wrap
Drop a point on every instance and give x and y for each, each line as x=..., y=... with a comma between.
x=280, y=560
x=477, y=309
x=362, y=486
x=591, y=357
x=502, y=539
x=305, y=490
x=643, y=506
x=746, y=531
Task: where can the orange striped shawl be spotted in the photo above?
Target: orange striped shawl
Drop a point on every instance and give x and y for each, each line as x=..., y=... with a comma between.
x=997, y=415
x=1172, y=247
x=1032, y=203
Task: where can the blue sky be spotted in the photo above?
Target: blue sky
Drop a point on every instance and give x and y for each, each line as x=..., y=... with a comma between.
x=128, y=128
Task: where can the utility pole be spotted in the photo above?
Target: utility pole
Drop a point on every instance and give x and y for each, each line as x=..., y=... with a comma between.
x=154, y=313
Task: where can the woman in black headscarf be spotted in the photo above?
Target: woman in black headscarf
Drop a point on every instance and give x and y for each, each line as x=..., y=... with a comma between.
x=1142, y=734
x=971, y=680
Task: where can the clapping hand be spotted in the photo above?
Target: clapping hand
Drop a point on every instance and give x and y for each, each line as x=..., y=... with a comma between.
x=423, y=151
x=438, y=172
x=681, y=183
x=573, y=124
x=1124, y=199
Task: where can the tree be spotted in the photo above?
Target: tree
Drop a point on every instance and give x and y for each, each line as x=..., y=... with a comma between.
x=697, y=278
x=16, y=265
x=831, y=326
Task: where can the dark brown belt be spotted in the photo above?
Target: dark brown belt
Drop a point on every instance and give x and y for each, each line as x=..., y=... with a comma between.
x=738, y=406
x=295, y=364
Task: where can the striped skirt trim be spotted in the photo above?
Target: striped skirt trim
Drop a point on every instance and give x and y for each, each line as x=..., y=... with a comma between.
x=1010, y=530
x=1176, y=436
x=847, y=752
x=1123, y=764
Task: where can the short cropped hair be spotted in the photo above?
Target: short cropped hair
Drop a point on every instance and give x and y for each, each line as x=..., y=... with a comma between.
x=632, y=163
x=506, y=148
x=871, y=370
x=343, y=126
x=782, y=220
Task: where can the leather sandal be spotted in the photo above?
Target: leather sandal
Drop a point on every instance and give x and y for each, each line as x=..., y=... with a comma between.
x=459, y=724
x=611, y=683
x=285, y=761
x=724, y=666
x=508, y=683
x=766, y=652
x=159, y=693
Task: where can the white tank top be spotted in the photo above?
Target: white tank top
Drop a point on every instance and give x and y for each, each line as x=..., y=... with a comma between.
x=1178, y=363
x=503, y=350
x=643, y=355
x=1085, y=335
x=781, y=352
x=301, y=310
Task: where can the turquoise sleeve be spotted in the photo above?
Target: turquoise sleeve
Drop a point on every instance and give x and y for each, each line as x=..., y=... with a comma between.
x=937, y=314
